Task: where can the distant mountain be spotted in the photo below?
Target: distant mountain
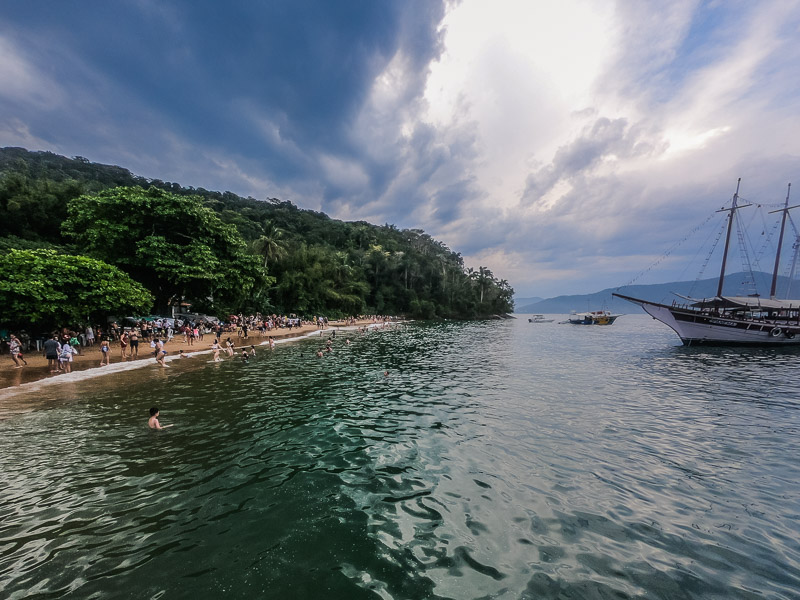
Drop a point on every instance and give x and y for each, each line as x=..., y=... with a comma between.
x=526, y=301
x=660, y=292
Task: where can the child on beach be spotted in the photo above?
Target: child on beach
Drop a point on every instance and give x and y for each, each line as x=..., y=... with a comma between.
x=152, y=422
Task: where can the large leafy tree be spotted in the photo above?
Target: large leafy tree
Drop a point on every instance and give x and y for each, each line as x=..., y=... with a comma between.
x=174, y=244
x=48, y=289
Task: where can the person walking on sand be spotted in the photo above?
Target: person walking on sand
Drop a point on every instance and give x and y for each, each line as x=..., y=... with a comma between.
x=105, y=353
x=153, y=423
x=89, y=336
x=15, y=347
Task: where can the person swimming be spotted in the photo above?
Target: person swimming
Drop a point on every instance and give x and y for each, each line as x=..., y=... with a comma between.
x=153, y=423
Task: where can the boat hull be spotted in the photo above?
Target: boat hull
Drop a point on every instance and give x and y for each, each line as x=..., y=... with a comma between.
x=698, y=328
x=609, y=320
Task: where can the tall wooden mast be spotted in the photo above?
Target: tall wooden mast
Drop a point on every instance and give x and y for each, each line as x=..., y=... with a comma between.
x=785, y=210
x=732, y=210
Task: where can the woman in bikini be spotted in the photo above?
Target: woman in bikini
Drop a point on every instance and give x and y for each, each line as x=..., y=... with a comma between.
x=105, y=353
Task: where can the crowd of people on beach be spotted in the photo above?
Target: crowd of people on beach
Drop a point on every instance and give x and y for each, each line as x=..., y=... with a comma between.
x=60, y=347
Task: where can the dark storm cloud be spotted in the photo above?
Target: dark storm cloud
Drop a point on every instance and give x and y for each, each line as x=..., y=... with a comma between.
x=208, y=74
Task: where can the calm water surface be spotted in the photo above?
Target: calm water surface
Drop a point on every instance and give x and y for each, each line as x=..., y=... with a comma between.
x=497, y=460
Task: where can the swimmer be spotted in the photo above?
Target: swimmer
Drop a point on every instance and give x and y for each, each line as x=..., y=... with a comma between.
x=252, y=351
x=153, y=423
x=182, y=355
x=215, y=348
x=347, y=341
x=319, y=354
x=245, y=355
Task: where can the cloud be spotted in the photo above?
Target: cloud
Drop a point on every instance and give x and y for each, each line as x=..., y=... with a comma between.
x=563, y=145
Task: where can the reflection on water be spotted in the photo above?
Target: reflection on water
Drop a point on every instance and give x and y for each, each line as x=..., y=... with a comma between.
x=497, y=459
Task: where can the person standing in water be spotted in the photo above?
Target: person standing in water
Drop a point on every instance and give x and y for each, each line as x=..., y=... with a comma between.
x=152, y=422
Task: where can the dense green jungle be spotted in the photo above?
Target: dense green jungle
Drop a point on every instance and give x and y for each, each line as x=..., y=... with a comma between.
x=80, y=240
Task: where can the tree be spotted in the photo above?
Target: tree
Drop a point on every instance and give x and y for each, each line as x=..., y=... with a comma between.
x=270, y=244
x=44, y=288
x=172, y=243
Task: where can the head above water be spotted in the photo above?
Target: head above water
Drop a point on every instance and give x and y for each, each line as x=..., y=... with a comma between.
x=154, y=411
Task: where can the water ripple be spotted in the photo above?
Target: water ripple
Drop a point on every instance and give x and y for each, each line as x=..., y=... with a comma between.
x=496, y=459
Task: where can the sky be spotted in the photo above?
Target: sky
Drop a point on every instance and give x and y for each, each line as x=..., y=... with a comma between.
x=566, y=145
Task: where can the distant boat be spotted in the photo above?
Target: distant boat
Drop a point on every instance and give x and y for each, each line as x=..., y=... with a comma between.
x=732, y=320
x=594, y=317
x=539, y=319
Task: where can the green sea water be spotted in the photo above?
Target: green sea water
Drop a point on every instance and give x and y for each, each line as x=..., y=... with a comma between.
x=496, y=460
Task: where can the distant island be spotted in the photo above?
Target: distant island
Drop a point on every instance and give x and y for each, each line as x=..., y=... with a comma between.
x=660, y=292
x=80, y=240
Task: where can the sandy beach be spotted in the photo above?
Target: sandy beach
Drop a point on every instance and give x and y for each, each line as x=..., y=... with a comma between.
x=89, y=358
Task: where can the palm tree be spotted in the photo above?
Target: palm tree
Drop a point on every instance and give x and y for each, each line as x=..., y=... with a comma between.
x=270, y=244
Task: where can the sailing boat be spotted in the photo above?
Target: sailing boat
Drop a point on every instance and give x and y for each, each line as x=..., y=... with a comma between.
x=733, y=320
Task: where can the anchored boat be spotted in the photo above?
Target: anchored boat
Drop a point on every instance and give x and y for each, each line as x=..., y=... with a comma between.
x=594, y=317
x=732, y=320
x=539, y=319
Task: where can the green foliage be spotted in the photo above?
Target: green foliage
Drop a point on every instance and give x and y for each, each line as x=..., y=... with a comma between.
x=49, y=289
x=213, y=247
x=173, y=244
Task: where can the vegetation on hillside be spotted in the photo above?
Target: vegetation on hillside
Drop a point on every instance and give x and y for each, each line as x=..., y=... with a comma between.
x=223, y=253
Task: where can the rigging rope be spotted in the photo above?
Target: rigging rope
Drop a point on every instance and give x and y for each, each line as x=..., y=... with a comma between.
x=720, y=231
x=669, y=251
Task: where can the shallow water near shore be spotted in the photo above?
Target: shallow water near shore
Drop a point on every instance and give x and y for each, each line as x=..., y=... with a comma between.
x=498, y=459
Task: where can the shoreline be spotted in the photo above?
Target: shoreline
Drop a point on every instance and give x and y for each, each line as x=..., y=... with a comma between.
x=86, y=366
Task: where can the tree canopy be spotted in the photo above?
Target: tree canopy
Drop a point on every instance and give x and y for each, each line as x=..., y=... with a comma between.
x=214, y=248
x=173, y=244
x=48, y=289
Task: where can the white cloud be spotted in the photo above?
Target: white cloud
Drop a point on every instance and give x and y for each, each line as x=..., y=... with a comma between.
x=22, y=82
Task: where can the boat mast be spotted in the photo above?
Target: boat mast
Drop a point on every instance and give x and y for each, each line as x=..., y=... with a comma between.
x=785, y=210
x=732, y=209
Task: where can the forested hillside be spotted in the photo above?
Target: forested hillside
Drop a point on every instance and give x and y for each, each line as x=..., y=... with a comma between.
x=223, y=253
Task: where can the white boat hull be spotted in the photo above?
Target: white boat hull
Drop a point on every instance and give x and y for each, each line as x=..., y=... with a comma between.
x=697, y=328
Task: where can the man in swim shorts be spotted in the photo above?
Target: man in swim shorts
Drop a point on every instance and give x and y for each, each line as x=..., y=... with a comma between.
x=51, y=351
x=133, y=339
